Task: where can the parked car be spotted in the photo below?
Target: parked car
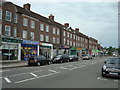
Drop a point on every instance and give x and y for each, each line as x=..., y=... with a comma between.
x=86, y=57
x=38, y=60
x=111, y=67
x=60, y=58
x=73, y=58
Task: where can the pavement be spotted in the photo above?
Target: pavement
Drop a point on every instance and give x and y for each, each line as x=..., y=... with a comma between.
x=12, y=64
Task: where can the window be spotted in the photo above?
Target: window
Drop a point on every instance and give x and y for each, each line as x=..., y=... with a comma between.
x=58, y=32
x=32, y=35
x=73, y=43
x=58, y=40
x=8, y=16
x=53, y=39
x=25, y=22
x=71, y=35
x=32, y=24
x=70, y=43
x=7, y=30
x=41, y=27
x=64, y=41
x=0, y=13
x=15, y=18
x=47, y=38
x=41, y=37
x=67, y=34
x=74, y=37
x=67, y=42
x=54, y=31
x=0, y=29
x=24, y=34
x=64, y=33
x=15, y=31
x=47, y=28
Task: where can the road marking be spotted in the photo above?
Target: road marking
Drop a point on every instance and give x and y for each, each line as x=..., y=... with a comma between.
x=53, y=71
x=99, y=78
x=7, y=80
x=35, y=78
x=33, y=74
x=73, y=68
x=63, y=68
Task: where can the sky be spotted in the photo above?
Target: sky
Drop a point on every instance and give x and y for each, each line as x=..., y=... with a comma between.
x=94, y=18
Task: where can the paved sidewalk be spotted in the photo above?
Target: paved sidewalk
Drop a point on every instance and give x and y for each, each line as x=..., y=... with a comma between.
x=12, y=64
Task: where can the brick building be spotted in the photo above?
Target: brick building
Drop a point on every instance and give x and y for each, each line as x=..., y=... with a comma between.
x=26, y=33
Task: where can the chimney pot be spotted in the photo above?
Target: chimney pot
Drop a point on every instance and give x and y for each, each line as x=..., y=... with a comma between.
x=51, y=17
x=66, y=24
x=27, y=6
x=77, y=29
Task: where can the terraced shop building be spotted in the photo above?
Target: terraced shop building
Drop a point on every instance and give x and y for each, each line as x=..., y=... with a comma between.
x=26, y=33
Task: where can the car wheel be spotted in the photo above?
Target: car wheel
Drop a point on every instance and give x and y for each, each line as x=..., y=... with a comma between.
x=38, y=64
x=61, y=61
x=68, y=60
x=103, y=75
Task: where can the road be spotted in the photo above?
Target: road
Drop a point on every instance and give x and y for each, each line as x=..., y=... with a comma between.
x=81, y=74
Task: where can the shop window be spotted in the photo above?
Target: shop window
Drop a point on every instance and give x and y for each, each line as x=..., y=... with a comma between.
x=25, y=22
x=15, y=18
x=0, y=13
x=32, y=35
x=32, y=24
x=15, y=31
x=24, y=34
x=41, y=27
x=47, y=28
x=41, y=37
x=7, y=30
x=8, y=16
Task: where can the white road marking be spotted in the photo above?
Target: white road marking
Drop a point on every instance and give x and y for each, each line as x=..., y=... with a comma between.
x=73, y=68
x=33, y=74
x=35, y=77
x=53, y=71
x=99, y=78
x=63, y=67
x=7, y=80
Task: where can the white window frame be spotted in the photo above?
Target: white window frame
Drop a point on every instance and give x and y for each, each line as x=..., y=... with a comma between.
x=8, y=14
x=15, y=18
x=64, y=41
x=42, y=27
x=0, y=13
x=47, y=28
x=15, y=31
x=64, y=33
x=54, y=31
x=58, y=31
x=47, y=38
x=24, y=34
x=54, y=40
x=32, y=35
x=71, y=35
x=67, y=42
x=68, y=34
x=41, y=37
x=32, y=24
x=8, y=30
x=0, y=29
x=25, y=21
x=58, y=40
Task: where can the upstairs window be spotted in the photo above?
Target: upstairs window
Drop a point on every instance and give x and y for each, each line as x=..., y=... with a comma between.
x=41, y=27
x=7, y=30
x=41, y=37
x=53, y=39
x=0, y=29
x=47, y=38
x=32, y=24
x=24, y=34
x=8, y=16
x=54, y=31
x=47, y=28
x=25, y=22
x=0, y=13
x=58, y=32
x=15, y=18
x=15, y=31
x=32, y=35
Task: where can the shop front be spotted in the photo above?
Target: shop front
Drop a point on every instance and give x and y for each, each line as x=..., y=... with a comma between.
x=10, y=49
x=28, y=49
x=46, y=50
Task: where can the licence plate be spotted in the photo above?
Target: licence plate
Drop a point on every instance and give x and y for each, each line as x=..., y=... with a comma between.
x=113, y=73
x=31, y=60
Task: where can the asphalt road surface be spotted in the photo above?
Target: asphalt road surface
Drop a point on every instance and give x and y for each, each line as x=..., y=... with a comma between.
x=81, y=74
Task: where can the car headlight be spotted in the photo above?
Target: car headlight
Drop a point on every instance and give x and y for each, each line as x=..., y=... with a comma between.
x=70, y=58
x=104, y=67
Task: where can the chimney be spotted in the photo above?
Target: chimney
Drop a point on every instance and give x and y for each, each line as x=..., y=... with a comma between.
x=27, y=6
x=51, y=17
x=77, y=29
x=66, y=24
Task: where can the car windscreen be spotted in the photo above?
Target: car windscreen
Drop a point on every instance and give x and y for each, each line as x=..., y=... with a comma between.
x=58, y=56
x=113, y=61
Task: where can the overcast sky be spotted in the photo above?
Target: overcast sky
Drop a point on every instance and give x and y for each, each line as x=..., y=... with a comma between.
x=97, y=19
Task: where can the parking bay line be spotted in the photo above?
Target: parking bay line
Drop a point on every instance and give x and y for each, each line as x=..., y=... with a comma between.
x=7, y=80
x=35, y=77
x=33, y=74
